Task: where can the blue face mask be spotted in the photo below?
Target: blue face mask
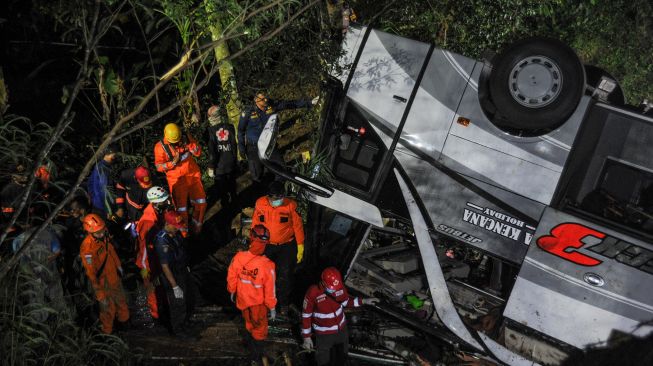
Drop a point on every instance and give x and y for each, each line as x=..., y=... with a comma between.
x=276, y=203
x=329, y=291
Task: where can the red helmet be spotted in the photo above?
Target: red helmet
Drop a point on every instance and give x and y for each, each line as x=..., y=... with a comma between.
x=260, y=233
x=93, y=223
x=142, y=176
x=331, y=279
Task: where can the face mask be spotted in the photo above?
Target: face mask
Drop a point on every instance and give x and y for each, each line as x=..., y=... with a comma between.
x=276, y=203
x=329, y=291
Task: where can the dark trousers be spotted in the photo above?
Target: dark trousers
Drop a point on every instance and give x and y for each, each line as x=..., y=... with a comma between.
x=225, y=187
x=256, y=167
x=284, y=257
x=177, y=308
x=332, y=349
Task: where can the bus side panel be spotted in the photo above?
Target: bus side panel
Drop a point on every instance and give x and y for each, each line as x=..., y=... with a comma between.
x=460, y=209
x=580, y=281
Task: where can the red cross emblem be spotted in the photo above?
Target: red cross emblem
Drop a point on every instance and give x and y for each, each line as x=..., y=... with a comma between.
x=222, y=134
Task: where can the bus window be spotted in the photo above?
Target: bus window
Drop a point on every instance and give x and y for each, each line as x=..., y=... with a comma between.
x=612, y=170
x=360, y=152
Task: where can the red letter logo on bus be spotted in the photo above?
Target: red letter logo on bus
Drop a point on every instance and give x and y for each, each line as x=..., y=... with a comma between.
x=566, y=236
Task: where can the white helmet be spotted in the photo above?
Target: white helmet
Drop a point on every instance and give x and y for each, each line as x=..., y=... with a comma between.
x=157, y=194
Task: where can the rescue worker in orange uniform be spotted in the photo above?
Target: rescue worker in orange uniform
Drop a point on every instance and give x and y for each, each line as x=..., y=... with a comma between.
x=147, y=227
x=279, y=215
x=250, y=280
x=173, y=155
x=104, y=271
x=323, y=314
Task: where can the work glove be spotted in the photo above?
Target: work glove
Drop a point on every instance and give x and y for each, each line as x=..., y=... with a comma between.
x=370, y=301
x=233, y=297
x=315, y=100
x=308, y=344
x=211, y=173
x=179, y=293
x=145, y=274
x=300, y=253
x=273, y=314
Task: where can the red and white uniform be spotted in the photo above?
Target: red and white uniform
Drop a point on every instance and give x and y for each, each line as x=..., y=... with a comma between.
x=324, y=313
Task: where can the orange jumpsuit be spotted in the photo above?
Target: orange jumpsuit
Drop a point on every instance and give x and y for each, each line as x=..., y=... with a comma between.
x=102, y=266
x=251, y=277
x=283, y=221
x=184, y=178
x=147, y=227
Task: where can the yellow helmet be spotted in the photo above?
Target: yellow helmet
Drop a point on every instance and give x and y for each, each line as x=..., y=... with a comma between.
x=172, y=133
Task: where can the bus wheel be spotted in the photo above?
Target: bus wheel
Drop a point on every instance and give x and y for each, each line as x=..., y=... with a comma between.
x=535, y=85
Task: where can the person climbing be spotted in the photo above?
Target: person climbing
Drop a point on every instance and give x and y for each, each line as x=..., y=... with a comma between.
x=223, y=149
x=146, y=259
x=250, y=281
x=251, y=123
x=174, y=266
x=174, y=155
x=101, y=186
x=104, y=271
x=323, y=314
x=279, y=214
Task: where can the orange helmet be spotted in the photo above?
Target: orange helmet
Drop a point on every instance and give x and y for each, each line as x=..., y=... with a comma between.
x=93, y=223
x=332, y=279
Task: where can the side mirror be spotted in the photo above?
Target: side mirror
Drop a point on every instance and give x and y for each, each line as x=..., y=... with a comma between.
x=317, y=192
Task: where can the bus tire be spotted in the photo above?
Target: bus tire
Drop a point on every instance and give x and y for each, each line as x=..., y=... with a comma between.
x=535, y=85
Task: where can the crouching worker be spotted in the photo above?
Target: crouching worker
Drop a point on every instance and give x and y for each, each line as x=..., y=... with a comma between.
x=174, y=265
x=250, y=281
x=104, y=271
x=323, y=311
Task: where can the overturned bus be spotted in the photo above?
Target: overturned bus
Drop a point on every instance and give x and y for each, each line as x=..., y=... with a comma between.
x=510, y=198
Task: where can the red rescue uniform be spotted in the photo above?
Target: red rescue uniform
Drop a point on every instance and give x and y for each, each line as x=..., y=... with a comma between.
x=324, y=313
x=251, y=277
x=102, y=268
x=184, y=177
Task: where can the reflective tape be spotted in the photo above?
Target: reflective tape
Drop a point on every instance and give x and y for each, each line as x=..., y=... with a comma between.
x=357, y=302
x=199, y=200
x=331, y=328
x=344, y=303
x=182, y=209
x=307, y=315
x=7, y=209
x=162, y=165
x=329, y=315
x=306, y=331
x=251, y=283
x=184, y=156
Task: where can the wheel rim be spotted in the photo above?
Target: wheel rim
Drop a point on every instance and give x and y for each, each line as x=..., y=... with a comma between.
x=535, y=81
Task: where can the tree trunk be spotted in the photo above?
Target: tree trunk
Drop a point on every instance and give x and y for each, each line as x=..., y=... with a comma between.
x=226, y=69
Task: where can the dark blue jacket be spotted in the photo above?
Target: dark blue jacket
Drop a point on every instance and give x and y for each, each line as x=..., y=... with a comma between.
x=170, y=250
x=101, y=188
x=252, y=120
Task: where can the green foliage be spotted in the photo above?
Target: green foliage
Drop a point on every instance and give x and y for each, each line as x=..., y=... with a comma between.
x=35, y=331
x=612, y=34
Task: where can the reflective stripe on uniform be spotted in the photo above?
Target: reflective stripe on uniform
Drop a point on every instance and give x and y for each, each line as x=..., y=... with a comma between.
x=306, y=331
x=199, y=200
x=328, y=315
x=356, y=302
x=327, y=329
x=7, y=209
x=251, y=283
x=162, y=165
x=133, y=204
x=307, y=315
x=184, y=156
x=182, y=209
x=344, y=303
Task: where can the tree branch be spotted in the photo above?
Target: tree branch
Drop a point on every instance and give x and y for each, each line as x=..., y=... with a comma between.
x=111, y=135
